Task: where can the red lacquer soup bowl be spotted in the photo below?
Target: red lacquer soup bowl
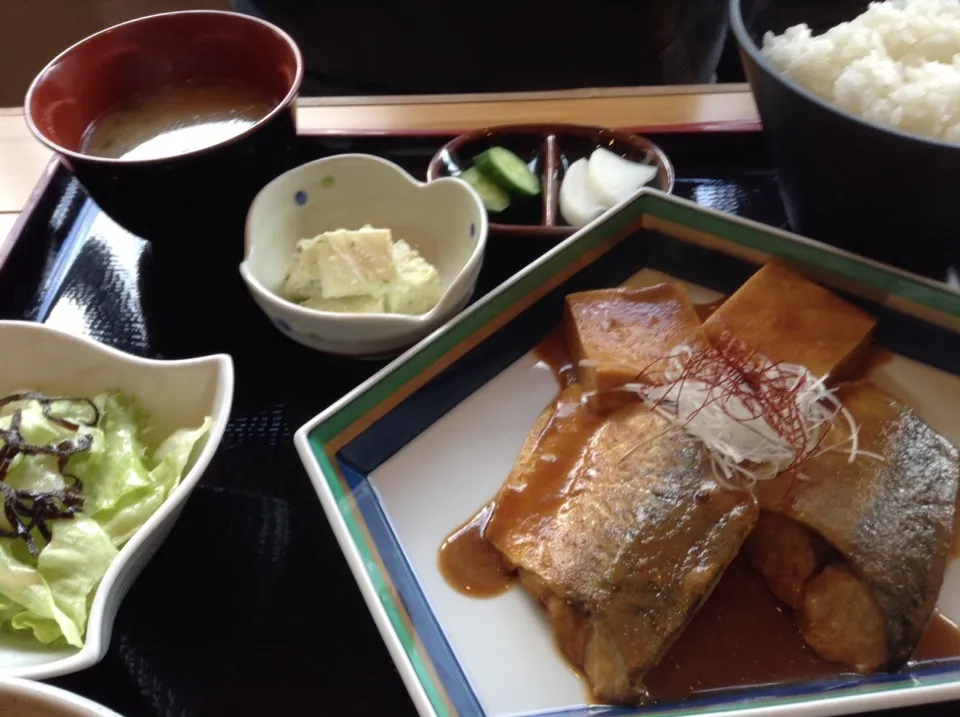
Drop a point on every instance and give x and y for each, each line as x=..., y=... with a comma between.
x=195, y=191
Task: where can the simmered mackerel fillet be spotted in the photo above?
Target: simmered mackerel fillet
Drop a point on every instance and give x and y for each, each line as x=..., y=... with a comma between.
x=891, y=515
x=618, y=532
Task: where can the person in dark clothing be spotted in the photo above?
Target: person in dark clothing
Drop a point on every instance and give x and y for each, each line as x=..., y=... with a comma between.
x=376, y=47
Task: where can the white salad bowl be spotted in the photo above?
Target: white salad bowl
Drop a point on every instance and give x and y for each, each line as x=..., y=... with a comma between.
x=23, y=698
x=176, y=394
x=444, y=220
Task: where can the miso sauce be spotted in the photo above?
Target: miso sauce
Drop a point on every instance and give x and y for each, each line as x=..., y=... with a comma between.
x=742, y=637
x=472, y=565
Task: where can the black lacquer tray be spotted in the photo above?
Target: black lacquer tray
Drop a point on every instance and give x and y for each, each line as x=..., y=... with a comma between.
x=249, y=608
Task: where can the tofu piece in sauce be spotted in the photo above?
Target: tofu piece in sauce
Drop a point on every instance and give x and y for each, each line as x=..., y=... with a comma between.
x=620, y=333
x=791, y=319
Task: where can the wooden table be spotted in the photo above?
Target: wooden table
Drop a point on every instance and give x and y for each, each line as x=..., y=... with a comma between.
x=24, y=158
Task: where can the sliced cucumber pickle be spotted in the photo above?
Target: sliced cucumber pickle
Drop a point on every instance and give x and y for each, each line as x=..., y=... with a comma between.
x=494, y=198
x=509, y=171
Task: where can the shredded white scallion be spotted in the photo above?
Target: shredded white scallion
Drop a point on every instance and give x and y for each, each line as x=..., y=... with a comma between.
x=722, y=408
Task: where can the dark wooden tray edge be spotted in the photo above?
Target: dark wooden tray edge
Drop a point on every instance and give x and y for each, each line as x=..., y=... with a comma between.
x=16, y=231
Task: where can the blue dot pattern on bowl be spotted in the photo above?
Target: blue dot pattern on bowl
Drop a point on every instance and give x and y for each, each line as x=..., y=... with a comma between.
x=283, y=325
x=300, y=198
x=473, y=230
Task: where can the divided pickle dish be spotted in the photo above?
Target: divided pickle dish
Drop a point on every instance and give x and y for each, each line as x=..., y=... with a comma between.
x=174, y=395
x=549, y=151
x=412, y=453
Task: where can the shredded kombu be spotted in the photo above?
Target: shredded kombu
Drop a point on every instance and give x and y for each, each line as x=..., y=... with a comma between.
x=27, y=510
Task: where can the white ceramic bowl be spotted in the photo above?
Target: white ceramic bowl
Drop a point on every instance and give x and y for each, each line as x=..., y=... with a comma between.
x=177, y=394
x=22, y=698
x=444, y=220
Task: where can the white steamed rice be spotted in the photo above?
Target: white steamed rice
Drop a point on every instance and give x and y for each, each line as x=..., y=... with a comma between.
x=897, y=64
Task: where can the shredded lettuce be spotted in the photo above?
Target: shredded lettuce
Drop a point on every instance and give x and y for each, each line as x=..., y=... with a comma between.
x=127, y=474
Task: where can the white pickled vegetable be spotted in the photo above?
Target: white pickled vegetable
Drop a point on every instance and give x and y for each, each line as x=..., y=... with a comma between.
x=611, y=178
x=578, y=205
